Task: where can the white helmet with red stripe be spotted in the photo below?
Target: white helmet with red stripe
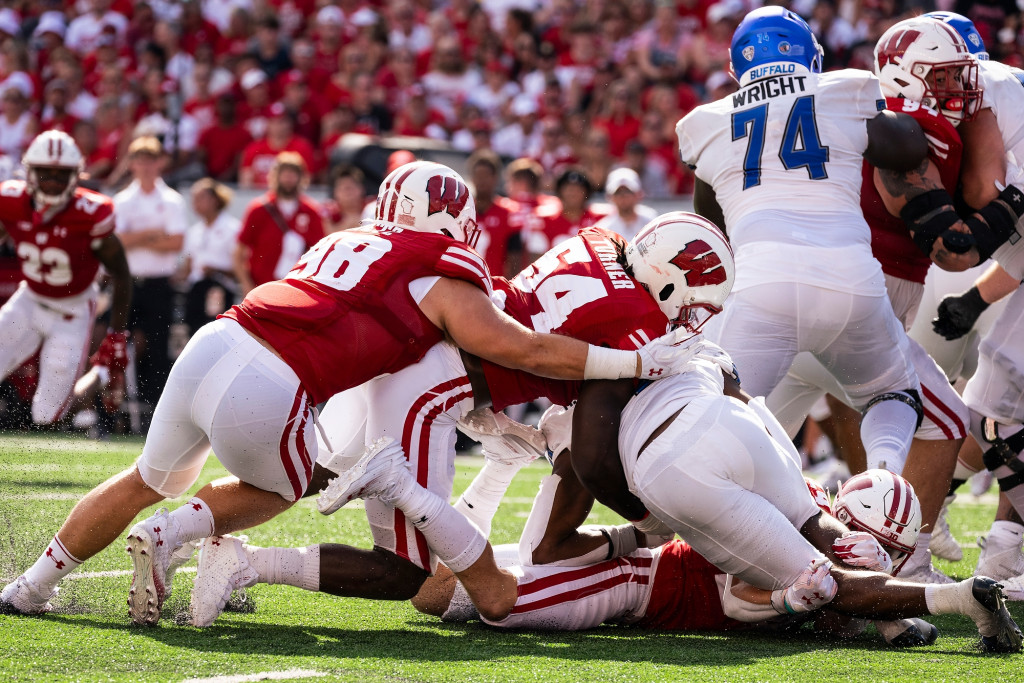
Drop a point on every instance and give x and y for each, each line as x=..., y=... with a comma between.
x=52, y=163
x=884, y=505
x=926, y=60
x=685, y=262
x=427, y=197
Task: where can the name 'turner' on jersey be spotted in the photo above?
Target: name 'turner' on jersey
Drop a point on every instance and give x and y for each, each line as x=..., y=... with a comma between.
x=768, y=88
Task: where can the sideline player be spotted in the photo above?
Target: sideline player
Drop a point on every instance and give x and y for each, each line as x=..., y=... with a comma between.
x=63, y=233
x=579, y=289
x=359, y=304
x=782, y=159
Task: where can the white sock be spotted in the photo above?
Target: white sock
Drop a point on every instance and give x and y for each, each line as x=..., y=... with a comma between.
x=958, y=598
x=52, y=566
x=299, y=567
x=192, y=521
x=886, y=432
x=480, y=500
x=1006, y=534
x=450, y=536
x=921, y=556
x=962, y=471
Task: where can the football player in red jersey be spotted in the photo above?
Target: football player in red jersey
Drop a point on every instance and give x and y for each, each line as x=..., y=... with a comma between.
x=580, y=289
x=63, y=233
x=361, y=303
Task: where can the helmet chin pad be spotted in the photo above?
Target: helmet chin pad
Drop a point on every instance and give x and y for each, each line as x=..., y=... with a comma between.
x=694, y=318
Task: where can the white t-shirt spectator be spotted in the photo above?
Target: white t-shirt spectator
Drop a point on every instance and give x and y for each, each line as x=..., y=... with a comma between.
x=135, y=211
x=446, y=91
x=84, y=31
x=211, y=246
x=615, y=222
x=21, y=81
x=420, y=40
x=218, y=12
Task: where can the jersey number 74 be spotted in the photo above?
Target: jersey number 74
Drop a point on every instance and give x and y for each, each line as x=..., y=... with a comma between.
x=800, y=148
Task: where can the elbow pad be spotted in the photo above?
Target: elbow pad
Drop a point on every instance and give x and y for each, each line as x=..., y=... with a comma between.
x=931, y=215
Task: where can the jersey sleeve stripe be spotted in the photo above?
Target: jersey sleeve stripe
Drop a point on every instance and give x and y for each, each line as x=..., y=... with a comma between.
x=103, y=228
x=471, y=268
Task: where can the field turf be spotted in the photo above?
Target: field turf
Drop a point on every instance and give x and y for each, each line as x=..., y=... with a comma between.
x=295, y=635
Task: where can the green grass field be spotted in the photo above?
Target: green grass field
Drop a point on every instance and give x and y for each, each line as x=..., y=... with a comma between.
x=295, y=635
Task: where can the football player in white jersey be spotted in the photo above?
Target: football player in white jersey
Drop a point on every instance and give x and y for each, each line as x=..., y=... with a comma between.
x=782, y=158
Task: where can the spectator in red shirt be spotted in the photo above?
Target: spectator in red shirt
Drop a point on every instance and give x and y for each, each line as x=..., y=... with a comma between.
x=196, y=30
x=99, y=161
x=500, y=240
x=253, y=112
x=202, y=104
x=234, y=41
x=327, y=33
x=259, y=157
x=55, y=114
x=221, y=145
x=619, y=117
x=278, y=227
x=595, y=159
x=562, y=222
x=554, y=153
x=418, y=119
x=302, y=55
x=305, y=105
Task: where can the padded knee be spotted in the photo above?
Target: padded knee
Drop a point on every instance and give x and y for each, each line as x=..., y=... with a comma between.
x=1003, y=452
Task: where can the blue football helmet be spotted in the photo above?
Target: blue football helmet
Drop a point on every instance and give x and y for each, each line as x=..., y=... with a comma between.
x=965, y=27
x=772, y=36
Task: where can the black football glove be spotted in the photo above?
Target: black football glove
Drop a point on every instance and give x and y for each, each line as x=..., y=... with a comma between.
x=958, y=313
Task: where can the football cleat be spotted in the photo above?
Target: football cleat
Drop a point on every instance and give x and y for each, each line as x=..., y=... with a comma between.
x=375, y=475
x=113, y=392
x=917, y=632
x=150, y=548
x=22, y=596
x=1005, y=634
x=943, y=544
x=223, y=568
x=919, y=568
x=999, y=561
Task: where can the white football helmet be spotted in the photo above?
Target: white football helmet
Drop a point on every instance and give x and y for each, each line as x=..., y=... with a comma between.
x=52, y=163
x=926, y=60
x=686, y=263
x=884, y=505
x=428, y=197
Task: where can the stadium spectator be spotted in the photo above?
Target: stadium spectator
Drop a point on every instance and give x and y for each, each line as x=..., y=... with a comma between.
x=200, y=102
x=253, y=112
x=221, y=12
x=475, y=135
x=553, y=154
x=234, y=39
x=709, y=51
x=279, y=226
x=178, y=64
x=344, y=210
x=259, y=156
x=14, y=68
x=17, y=124
x=450, y=78
x=407, y=30
x=561, y=221
x=305, y=106
x=195, y=29
x=595, y=160
x=221, y=146
x=625, y=191
x=517, y=138
x=55, y=114
x=371, y=117
x=270, y=51
x=207, y=264
x=177, y=131
x=150, y=219
x=497, y=90
x=619, y=118
x=99, y=160
x=84, y=30
x=302, y=56
x=500, y=240
x=661, y=48
x=418, y=119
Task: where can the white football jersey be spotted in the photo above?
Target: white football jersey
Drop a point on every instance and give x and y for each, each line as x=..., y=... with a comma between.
x=1004, y=94
x=784, y=156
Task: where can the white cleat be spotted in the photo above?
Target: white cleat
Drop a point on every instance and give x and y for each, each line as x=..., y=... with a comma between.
x=223, y=568
x=943, y=543
x=151, y=549
x=382, y=465
x=1002, y=563
x=926, y=573
x=21, y=596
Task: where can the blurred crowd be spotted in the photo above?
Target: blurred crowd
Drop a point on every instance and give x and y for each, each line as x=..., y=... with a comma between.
x=554, y=102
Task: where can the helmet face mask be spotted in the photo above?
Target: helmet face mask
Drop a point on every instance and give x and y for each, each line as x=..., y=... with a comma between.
x=772, y=41
x=884, y=505
x=926, y=61
x=686, y=264
x=427, y=197
x=52, y=163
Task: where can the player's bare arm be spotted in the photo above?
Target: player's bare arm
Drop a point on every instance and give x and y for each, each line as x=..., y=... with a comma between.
x=240, y=259
x=110, y=253
x=983, y=161
x=595, y=446
x=705, y=202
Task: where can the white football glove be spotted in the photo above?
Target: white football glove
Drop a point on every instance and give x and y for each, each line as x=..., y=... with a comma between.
x=556, y=423
x=652, y=526
x=1014, y=173
x=669, y=354
x=813, y=589
x=503, y=440
x=861, y=549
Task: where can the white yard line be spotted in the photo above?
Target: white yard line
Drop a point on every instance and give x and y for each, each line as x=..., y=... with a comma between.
x=261, y=676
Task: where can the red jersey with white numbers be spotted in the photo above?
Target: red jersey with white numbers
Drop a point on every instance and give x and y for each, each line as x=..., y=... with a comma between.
x=685, y=594
x=344, y=314
x=890, y=239
x=577, y=289
x=56, y=252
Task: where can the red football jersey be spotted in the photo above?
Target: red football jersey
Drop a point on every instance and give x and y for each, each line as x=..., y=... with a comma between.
x=496, y=229
x=555, y=227
x=56, y=255
x=265, y=238
x=890, y=239
x=579, y=290
x=344, y=314
x=685, y=595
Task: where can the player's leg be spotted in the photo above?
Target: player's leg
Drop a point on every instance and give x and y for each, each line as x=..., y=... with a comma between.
x=61, y=361
x=19, y=319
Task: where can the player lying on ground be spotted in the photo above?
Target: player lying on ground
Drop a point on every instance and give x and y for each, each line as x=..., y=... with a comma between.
x=580, y=289
x=361, y=303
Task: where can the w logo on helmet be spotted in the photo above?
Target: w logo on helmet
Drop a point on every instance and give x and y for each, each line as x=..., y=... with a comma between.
x=446, y=194
x=896, y=47
x=701, y=264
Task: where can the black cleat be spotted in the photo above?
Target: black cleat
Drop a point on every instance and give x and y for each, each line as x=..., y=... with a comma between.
x=989, y=595
x=919, y=632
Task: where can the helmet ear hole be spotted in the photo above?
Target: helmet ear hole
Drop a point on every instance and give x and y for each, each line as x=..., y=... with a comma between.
x=666, y=292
